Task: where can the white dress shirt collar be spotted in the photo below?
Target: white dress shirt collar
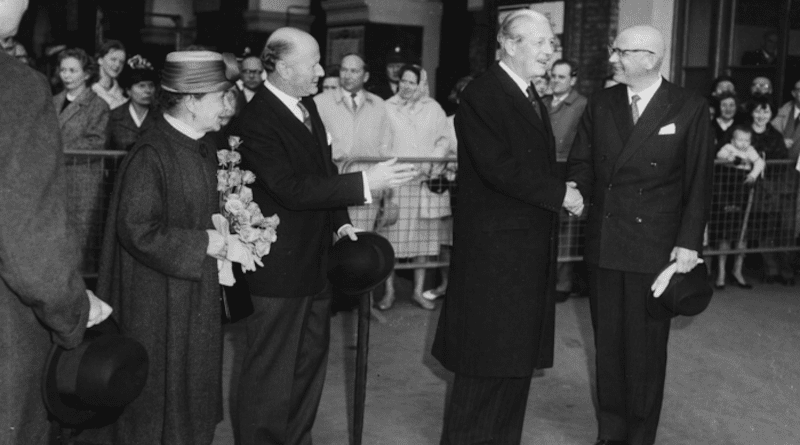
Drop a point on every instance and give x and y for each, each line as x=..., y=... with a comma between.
x=182, y=127
x=347, y=97
x=515, y=77
x=289, y=101
x=645, y=95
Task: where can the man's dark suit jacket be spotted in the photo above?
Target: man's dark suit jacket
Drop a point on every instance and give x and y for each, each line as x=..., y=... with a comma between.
x=498, y=317
x=647, y=187
x=295, y=179
x=241, y=99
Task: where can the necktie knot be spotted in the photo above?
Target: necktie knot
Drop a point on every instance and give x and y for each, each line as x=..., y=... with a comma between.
x=635, y=108
x=532, y=98
x=355, y=104
x=306, y=116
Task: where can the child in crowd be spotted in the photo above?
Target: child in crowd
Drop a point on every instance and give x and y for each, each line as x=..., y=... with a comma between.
x=744, y=158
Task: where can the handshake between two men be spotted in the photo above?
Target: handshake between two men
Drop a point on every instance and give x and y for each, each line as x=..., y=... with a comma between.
x=573, y=201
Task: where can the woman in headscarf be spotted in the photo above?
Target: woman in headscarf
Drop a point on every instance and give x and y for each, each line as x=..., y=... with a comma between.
x=159, y=258
x=419, y=128
x=82, y=119
x=128, y=122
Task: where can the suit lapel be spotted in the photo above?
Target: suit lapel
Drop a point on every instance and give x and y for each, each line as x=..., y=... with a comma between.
x=520, y=101
x=621, y=112
x=71, y=110
x=319, y=132
x=293, y=125
x=648, y=123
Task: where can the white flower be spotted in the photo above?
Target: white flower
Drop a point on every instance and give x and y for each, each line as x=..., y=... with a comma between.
x=234, y=177
x=246, y=195
x=234, y=157
x=262, y=248
x=248, y=177
x=222, y=180
x=233, y=205
x=222, y=156
x=234, y=142
x=249, y=234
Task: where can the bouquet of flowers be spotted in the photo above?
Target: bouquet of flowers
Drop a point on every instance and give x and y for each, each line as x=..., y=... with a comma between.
x=251, y=233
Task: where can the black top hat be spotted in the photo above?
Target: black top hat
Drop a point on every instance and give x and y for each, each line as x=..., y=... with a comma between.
x=357, y=267
x=91, y=384
x=686, y=294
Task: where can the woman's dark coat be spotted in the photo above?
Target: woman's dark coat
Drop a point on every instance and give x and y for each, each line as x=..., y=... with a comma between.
x=164, y=288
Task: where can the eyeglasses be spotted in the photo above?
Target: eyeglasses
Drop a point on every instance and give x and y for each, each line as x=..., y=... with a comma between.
x=624, y=52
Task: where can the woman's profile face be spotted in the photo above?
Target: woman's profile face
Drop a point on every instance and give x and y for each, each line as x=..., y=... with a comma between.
x=112, y=63
x=727, y=109
x=408, y=85
x=71, y=73
x=208, y=111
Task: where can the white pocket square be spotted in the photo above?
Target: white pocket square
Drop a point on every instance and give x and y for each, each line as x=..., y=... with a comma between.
x=667, y=129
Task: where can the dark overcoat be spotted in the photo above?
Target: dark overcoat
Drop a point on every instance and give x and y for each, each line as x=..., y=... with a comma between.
x=297, y=180
x=498, y=318
x=647, y=187
x=122, y=130
x=41, y=290
x=163, y=287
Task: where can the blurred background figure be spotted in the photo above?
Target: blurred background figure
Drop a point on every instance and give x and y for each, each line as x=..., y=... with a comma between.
x=395, y=59
x=609, y=81
x=775, y=195
x=726, y=107
x=111, y=59
x=766, y=54
x=565, y=107
x=83, y=120
x=128, y=122
x=252, y=80
x=330, y=81
x=446, y=225
x=419, y=128
x=542, y=85
x=722, y=84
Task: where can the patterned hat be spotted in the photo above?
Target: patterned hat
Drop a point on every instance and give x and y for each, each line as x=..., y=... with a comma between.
x=191, y=72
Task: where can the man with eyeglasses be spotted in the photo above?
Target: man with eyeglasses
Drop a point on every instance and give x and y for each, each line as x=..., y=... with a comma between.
x=643, y=157
x=252, y=81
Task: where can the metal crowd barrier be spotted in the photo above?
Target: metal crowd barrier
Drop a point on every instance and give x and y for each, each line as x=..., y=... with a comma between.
x=418, y=221
x=90, y=180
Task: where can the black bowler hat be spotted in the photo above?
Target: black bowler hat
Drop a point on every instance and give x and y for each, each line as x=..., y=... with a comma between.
x=686, y=294
x=357, y=267
x=91, y=384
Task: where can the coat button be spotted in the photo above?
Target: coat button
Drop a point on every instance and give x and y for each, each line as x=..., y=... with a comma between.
x=602, y=157
x=638, y=220
x=653, y=164
x=640, y=191
x=609, y=186
x=608, y=215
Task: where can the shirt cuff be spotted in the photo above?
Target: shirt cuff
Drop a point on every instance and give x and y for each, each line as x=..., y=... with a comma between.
x=367, y=191
x=340, y=233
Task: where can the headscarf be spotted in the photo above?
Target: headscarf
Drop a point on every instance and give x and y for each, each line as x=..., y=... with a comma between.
x=420, y=97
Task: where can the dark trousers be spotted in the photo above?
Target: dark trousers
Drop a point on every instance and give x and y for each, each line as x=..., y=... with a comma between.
x=283, y=372
x=485, y=410
x=631, y=356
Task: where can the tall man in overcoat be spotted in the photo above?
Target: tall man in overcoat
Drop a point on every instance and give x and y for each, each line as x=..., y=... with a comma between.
x=42, y=296
x=284, y=142
x=497, y=323
x=643, y=159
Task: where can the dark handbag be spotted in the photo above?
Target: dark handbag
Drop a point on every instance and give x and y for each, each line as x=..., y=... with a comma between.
x=235, y=300
x=440, y=184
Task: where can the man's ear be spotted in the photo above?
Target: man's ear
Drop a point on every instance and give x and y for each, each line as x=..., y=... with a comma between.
x=283, y=69
x=572, y=81
x=366, y=77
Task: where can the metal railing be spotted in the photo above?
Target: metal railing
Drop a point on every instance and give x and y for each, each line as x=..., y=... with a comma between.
x=418, y=222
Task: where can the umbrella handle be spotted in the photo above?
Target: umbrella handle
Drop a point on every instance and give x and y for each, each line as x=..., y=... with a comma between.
x=746, y=218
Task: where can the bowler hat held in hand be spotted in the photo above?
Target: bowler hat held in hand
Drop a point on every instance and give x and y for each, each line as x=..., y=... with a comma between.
x=91, y=384
x=685, y=294
x=357, y=267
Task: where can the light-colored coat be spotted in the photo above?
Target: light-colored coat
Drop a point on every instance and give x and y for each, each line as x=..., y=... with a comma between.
x=784, y=122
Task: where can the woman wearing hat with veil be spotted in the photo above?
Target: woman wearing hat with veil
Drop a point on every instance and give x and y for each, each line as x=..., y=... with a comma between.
x=159, y=259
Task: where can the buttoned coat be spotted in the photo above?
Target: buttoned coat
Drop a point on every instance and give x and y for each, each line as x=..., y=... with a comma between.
x=785, y=123
x=122, y=130
x=499, y=314
x=155, y=273
x=83, y=123
x=297, y=180
x=42, y=295
x=564, y=117
x=648, y=186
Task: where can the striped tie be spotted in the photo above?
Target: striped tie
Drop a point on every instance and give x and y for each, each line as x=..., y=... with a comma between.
x=635, y=108
x=306, y=116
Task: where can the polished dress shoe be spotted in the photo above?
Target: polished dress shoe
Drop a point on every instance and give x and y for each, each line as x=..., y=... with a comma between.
x=611, y=442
